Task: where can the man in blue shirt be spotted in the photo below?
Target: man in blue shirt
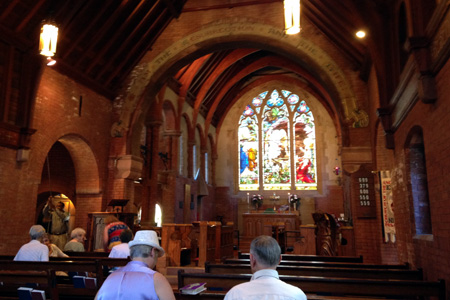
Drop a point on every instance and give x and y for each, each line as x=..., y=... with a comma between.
x=34, y=250
x=265, y=255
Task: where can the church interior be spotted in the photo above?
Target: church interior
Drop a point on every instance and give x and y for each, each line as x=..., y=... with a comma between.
x=174, y=112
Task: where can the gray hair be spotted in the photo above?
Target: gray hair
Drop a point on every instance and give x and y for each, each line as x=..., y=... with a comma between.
x=266, y=250
x=143, y=251
x=77, y=232
x=36, y=232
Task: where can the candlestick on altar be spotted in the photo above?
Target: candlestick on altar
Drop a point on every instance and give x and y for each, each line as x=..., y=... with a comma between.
x=289, y=201
x=248, y=203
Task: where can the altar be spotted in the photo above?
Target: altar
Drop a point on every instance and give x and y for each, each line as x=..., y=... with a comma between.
x=261, y=223
x=254, y=222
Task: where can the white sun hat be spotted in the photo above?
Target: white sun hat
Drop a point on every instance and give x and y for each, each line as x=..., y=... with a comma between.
x=149, y=238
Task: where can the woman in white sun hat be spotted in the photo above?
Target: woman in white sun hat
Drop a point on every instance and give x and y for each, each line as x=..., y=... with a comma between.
x=138, y=280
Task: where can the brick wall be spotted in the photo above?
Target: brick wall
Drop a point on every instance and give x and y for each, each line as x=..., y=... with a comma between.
x=86, y=136
x=430, y=252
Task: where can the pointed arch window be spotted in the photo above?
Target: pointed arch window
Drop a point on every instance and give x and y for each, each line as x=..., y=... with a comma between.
x=277, y=145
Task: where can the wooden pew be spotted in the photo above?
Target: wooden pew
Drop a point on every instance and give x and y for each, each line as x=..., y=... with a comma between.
x=331, y=286
x=97, y=265
x=321, y=271
x=404, y=266
x=12, y=280
x=87, y=254
x=57, y=286
x=297, y=257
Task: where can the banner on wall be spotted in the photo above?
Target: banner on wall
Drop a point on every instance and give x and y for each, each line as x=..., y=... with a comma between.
x=388, y=207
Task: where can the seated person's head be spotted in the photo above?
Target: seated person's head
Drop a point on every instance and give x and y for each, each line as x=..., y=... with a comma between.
x=266, y=251
x=145, y=247
x=46, y=239
x=126, y=235
x=79, y=234
x=37, y=232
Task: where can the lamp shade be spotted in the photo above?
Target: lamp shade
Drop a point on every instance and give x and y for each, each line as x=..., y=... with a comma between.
x=292, y=16
x=48, y=39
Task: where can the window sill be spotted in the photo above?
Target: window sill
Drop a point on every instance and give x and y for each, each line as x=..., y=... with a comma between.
x=423, y=237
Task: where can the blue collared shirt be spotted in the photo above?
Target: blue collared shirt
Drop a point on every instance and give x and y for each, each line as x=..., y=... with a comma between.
x=32, y=251
x=265, y=285
x=133, y=281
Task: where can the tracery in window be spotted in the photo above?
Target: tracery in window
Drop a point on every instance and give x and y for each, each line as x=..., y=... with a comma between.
x=265, y=127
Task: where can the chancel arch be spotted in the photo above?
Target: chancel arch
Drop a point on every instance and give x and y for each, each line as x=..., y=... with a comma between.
x=152, y=74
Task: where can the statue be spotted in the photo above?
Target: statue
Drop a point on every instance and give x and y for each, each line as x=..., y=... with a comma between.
x=327, y=234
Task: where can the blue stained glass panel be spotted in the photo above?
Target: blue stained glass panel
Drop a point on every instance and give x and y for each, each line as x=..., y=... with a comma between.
x=257, y=101
x=266, y=137
x=263, y=95
x=285, y=93
x=276, y=149
x=248, y=111
x=248, y=154
x=305, y=152
x=293, y=99
x=303, y=107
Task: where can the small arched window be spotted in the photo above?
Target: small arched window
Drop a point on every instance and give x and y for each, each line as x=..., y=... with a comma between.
x=419, y=183
x=277, y=144
x=158, y=215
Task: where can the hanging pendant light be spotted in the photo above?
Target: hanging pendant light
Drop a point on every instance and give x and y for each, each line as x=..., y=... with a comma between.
x=292, y=16
x=48, y=39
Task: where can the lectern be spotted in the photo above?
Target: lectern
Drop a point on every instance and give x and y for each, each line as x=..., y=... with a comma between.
x=118, y=202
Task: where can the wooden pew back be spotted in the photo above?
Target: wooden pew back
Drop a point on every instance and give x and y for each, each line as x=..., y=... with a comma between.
x=298, y=257
x=331, y=286
x=404, y=266
x=42, y=280
x=321, y=271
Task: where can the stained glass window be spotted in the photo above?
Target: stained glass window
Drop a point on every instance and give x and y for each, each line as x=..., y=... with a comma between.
x=266, y=161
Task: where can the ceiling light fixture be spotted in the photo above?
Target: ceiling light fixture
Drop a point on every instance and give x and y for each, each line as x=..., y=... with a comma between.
x=360, y=34
x=48, y=39
x=292, y=16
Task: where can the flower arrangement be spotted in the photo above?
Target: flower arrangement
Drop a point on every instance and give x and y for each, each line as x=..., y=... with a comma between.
x=257, y=201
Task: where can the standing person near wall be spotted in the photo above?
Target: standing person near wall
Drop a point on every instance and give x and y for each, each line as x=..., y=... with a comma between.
x=265, y=255
x=59, y=222
x=111, y=233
